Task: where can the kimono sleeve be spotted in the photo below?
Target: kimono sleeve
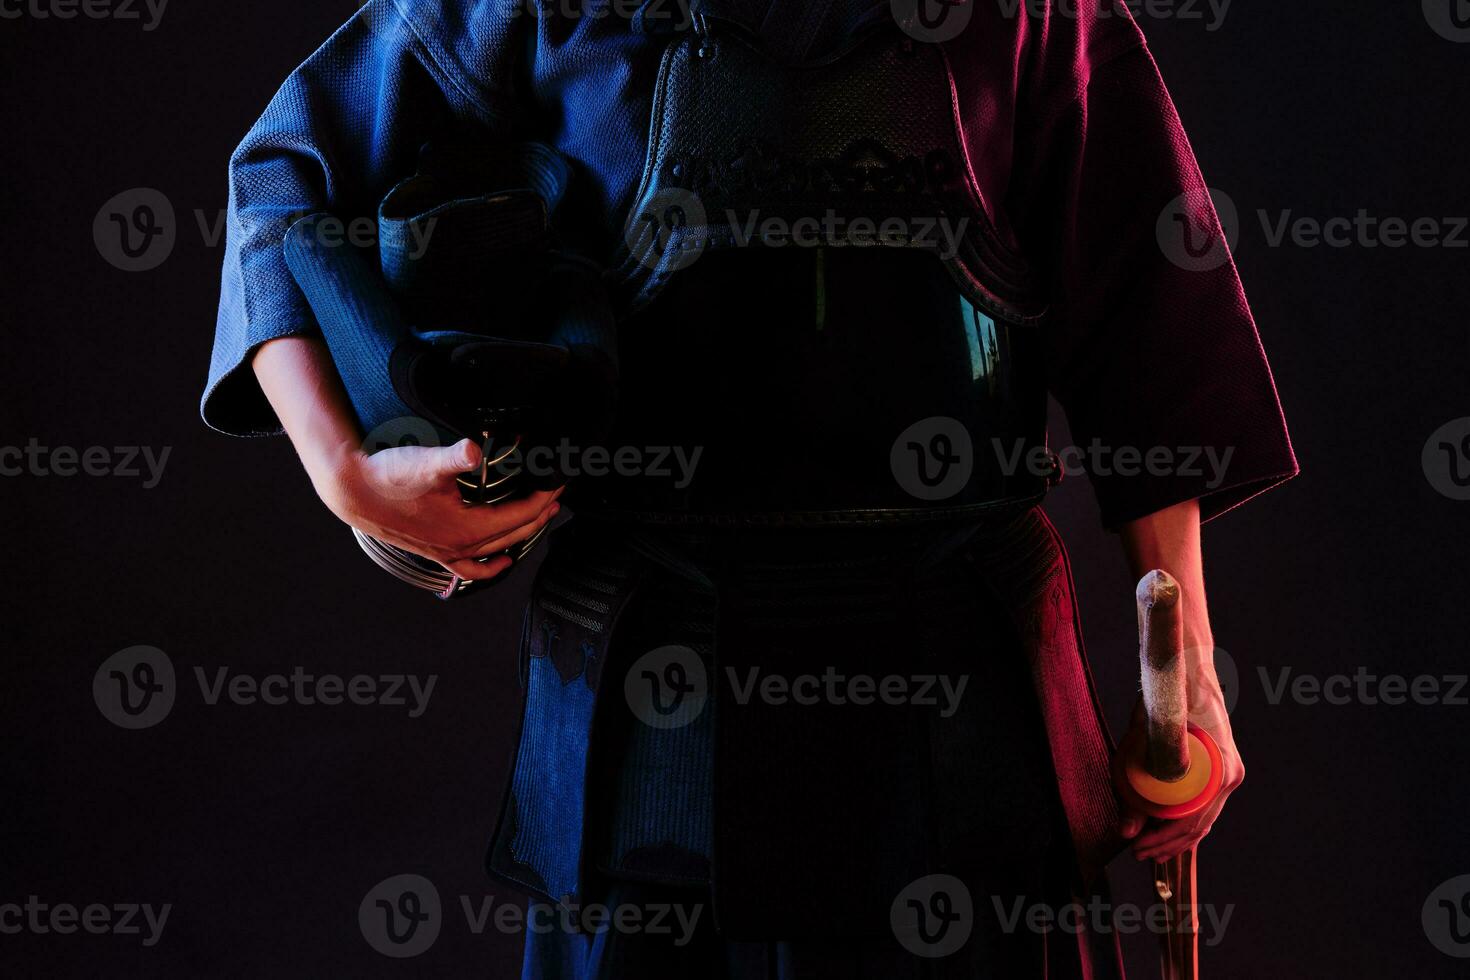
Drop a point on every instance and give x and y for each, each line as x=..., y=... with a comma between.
x=1152, y=349
x=343, y=128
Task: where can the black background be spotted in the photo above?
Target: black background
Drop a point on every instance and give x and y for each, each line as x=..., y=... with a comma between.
x=265, y=826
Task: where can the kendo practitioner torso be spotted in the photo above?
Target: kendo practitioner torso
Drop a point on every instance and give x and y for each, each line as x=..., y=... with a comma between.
x=831, y=388
x=826, y=374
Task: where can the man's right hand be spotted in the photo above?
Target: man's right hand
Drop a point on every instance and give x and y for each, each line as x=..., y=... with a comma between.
x=407, y=497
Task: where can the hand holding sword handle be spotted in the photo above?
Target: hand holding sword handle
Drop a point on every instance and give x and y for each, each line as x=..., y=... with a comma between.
x=1168, y=769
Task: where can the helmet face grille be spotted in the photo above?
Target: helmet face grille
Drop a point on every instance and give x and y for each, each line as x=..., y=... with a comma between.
x=498, y=477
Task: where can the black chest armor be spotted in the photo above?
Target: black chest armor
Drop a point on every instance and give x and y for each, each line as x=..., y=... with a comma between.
x=813, y=297
x=769, y=115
